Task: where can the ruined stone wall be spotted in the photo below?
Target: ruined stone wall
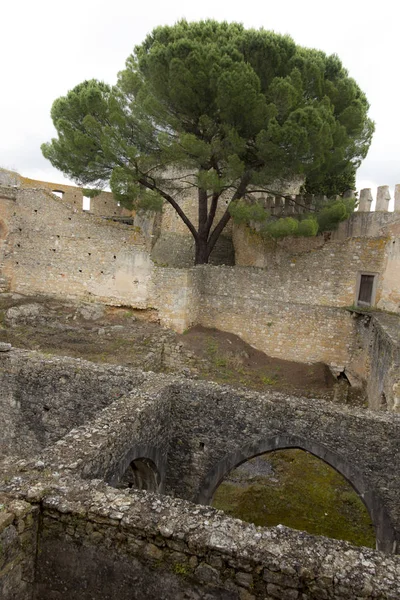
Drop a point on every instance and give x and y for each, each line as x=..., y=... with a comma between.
x=7, y=209
x=278, y=312
x=18, y=544
x=217, y=428
x=104, y=543
x=138, y=425
x=42, y=398
x=102, y=205
x=53, y=250
x=368, y=242
x=147, y=548
x=98, y=541
x=376, y=359
x=313, y=270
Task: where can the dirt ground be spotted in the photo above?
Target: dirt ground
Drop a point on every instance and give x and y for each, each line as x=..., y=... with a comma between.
x=229, y=359
x=120, y=335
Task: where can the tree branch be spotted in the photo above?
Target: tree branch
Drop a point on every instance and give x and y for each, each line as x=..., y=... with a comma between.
x=213, y=210
x=151, y=186
x=240, y=192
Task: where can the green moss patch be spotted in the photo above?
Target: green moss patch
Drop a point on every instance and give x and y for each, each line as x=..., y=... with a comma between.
x=302, y=492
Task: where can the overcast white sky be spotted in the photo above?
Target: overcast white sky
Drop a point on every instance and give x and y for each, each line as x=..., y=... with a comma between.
x=48, y=47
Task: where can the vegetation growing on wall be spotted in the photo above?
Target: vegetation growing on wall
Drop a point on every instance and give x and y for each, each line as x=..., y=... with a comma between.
x=216, y=108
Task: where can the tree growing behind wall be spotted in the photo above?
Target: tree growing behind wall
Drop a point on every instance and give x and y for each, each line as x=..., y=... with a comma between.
x=218, y=109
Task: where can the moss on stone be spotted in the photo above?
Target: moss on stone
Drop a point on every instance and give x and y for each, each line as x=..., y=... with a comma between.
x=303, y=493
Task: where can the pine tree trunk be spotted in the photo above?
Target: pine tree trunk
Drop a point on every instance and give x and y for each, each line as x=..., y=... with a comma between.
x=202, y=253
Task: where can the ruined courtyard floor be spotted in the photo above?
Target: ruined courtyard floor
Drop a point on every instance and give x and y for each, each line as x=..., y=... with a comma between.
x=290, y=487
x=120, y=335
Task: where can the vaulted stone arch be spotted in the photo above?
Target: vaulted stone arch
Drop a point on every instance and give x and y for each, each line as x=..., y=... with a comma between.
x=142, y=467
x=384, y=531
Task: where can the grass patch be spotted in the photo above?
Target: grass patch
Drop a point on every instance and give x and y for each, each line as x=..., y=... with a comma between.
x=302, y=493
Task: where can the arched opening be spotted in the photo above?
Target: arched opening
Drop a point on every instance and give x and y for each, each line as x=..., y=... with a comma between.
x=141, y=474
x=384, y=530
x=58, y=193
x=295, y=488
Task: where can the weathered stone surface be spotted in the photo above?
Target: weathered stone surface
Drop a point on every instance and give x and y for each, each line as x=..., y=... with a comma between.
x=382, y=198
x=91, y=312
x=4, y=347
x=133, y=542
x=366, y=200
x=42, y=398
x=18, y=315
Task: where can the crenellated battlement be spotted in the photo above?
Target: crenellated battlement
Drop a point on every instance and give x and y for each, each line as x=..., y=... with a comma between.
x=382, y=199
x=279, y=205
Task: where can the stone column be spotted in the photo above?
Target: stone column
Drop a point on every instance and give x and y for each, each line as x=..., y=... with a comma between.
x=382, y=198
x=397, y=198
x=365, y=200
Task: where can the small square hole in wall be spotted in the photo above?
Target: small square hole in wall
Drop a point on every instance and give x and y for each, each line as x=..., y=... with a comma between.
x=58, y=193
x=366, y=289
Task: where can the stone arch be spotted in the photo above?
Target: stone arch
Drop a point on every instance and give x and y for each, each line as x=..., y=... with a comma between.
x=142, y=467
x=384, y=531
x=141, y=474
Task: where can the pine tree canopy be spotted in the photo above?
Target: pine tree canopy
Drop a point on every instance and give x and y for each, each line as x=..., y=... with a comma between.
x=218, y=108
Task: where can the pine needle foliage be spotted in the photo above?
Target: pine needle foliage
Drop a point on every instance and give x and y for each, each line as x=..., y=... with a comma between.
x=216, y=109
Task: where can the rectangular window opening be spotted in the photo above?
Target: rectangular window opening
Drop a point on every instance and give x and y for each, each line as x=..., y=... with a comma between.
x=366, y=290
x=86, y=203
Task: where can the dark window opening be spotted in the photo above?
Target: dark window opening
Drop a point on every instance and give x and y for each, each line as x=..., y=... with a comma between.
x=366, y=289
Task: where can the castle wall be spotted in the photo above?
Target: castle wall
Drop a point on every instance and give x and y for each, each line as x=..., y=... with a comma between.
x=368, y=242
x=41, y=399
x=171, y=549
x=286, y=317
x=18, y=545
x=102, y=205
x=54, y=250
x=376, y=359
x=291, y=306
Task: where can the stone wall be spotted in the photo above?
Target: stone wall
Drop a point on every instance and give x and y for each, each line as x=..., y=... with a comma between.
x=42, y=398
x=52, y=249
x=104, y=543
x=313, y=270
x=196, y=432
x=18, y=539
x=368, y=242
x=217, y=428
x=291, y=306
x=97, y=541
x=288, y=317
x=146, y=548
x=376, y=359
